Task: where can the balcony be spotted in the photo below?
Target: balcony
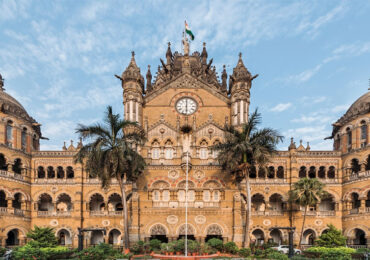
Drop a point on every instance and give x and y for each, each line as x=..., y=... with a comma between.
x=267, y=181
x=356, y=176
x=354, y=211
x=53, y=181
x=115, y=213
x=18, y=212
x=98, y=213
x=45, y=213
x=3, y=210
x=63, y=213
x=326, y=213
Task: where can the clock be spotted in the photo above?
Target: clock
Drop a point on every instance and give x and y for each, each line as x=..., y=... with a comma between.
x=186, y=106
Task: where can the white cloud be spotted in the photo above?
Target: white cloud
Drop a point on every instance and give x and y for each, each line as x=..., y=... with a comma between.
x=304, y=76
x=340, y=108
x=281, y=107
x=313, y=119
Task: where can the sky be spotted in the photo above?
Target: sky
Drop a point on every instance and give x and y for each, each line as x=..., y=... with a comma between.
x=59, y=58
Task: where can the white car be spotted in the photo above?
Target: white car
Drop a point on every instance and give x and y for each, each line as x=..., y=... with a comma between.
x=285, y=249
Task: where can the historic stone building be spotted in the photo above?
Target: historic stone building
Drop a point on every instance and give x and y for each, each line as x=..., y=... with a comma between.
x=46, y=188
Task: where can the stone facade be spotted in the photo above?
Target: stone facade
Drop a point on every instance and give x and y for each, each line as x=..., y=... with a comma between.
x=46, y=188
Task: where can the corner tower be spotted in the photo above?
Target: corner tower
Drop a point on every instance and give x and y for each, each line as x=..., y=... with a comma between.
x=240, y=84
x=133, y=90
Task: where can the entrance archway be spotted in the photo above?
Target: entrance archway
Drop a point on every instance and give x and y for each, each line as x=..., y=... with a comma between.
x=158, y=231
x=97, y=237
x=360, y=237
x=308, y=237
x=276, y=236
x=114, y=235
x=64, y=237
x=214, y=231
x=12, y=238
x=259, y=236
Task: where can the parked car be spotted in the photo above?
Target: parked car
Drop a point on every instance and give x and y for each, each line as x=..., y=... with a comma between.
x=285, y=249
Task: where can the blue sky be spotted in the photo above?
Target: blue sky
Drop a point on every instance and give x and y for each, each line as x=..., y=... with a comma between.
x=59, y=57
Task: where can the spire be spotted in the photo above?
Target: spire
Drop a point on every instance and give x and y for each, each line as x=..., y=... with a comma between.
x=1, y=83
x=224, y=79
x=148, y=80
x=132, y=72
x=300, y=147
x=80, y=145
x=308, y=146
x=292, y=144
x=204, y=54
x=169, y=54
x=240, y=72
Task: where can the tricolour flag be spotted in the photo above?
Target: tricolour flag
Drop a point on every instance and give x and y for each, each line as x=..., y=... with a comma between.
x=188, y=31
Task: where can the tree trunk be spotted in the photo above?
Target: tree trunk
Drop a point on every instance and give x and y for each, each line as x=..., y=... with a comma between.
x=304, y=219
x=125, y=214
x=249, y=207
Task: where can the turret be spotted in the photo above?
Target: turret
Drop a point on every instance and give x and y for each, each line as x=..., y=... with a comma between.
x=204, y=54
x=169, y=54
x=149, y=80
x=239, y=87
x=133, y=89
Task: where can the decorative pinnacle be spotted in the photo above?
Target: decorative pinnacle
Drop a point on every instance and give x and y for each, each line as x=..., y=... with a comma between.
x=240, y=55
x=132, y=54
x=169, y=44
x=204, y=44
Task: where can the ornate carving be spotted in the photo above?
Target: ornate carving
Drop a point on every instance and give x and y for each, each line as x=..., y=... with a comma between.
x=190, y=230
x=267, y=222
x=173, y=174
x=200, y=219
x=198, y=174
x=172, y=219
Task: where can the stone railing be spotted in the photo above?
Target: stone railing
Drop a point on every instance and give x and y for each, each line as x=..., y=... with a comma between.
x=3, y=210
x=63, y=213
x=354, y=211
x=54, y=180
x=367, y=209
x=211, y=204
x=44, y=213
x=329, y=181
x=268, y=213
x=11, y=175
x=356, y=176
x=98, y=213
x=267, y=180
x=326, y=213
x=357, y=246
x=115, y=213
x=309, y=213
x=18, y=212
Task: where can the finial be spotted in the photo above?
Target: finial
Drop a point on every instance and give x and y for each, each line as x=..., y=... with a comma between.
x=204, y=44
x=308, y=146
x=300, y=141
x=169, y=44
x=132, y=54
x=64, y=146
x=240, y=55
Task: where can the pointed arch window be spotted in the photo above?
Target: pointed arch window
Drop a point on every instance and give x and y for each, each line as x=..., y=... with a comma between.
x=363, y=134
x=203, y=151
x=168, y=150
x=24, y=138
x=155, y=150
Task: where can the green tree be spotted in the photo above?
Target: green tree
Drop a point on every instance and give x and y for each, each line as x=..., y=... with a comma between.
x=307, y=193
x=43, y=237
x=243, y=149
x=331, y=238
x=111, y=154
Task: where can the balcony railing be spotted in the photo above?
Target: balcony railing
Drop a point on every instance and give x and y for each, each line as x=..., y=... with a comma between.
x=357, y=175
x=54, y=180
x=309, y=213
x=267, y=180
x=3, y=210
x=98, y=213
x=18, y=212
x=357, y=246
x=63, y=213
x=326, y=213
x=354, y=211
x=44, y=213
x=115, y=213
x=367, y=209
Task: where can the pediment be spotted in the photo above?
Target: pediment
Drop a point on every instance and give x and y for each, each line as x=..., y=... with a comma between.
x=187, y=81
x=209, y=129
x=161, y=129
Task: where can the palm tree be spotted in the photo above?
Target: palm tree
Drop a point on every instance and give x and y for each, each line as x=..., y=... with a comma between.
x=307, y=193
x=111, y=154
x=243, y=149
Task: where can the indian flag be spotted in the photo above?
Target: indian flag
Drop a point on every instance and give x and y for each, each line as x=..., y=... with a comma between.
x=188, y=31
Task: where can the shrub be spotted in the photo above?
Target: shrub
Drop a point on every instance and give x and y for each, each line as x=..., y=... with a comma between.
x=2, y=251
x=168, y=247
x=273, y=254
x=193, y=246
x=244, y=252
x=179, y=245
x=231, y=247
x=100, y=252
x=43, y=237
x=336, y=253
x=138, y=247
x=155, y=244
x=207, y=249
x=332, y=238
x=30, y=252
x=216, y=243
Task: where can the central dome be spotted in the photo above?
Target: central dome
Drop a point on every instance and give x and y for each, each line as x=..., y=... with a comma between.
x=359, y=107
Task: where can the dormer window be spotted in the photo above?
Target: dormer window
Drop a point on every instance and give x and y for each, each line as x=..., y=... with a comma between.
x=9, y=133
x=24, y=138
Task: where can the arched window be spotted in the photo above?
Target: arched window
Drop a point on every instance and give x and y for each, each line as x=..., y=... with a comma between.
x=45, y=202
x=155, y=150
x=215, y=152
x=181, y=195
x=356, y=202
x=156, y=195
x=191, y=195
x=24, y=138
x=312, y=172
x=168, y=150
x=253, y=173
x=3, y=201
x=97, y=202
x=40, y=172
x=206, y=195
x=349, y=138
x=51, y=172
x=261, y=173
x=280, y=172
x=258, y=202
x=271, y=172
x=9, y=134
x=3, y=164
x=70, y=173
x=16, y=203
x=64, y=203
x=216, y=195
x=321, y=172
x=166, y=195
x=355, y=166
x=203, y=151
x=114, y=202
x=60, y=172
x=363, y=134
x=367, y=164
x=303, y=172
x=35, y=143
x=17, y=166
x=331, y=172
x=367, y=202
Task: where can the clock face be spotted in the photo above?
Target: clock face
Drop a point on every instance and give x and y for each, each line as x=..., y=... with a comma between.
x=186, y=106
